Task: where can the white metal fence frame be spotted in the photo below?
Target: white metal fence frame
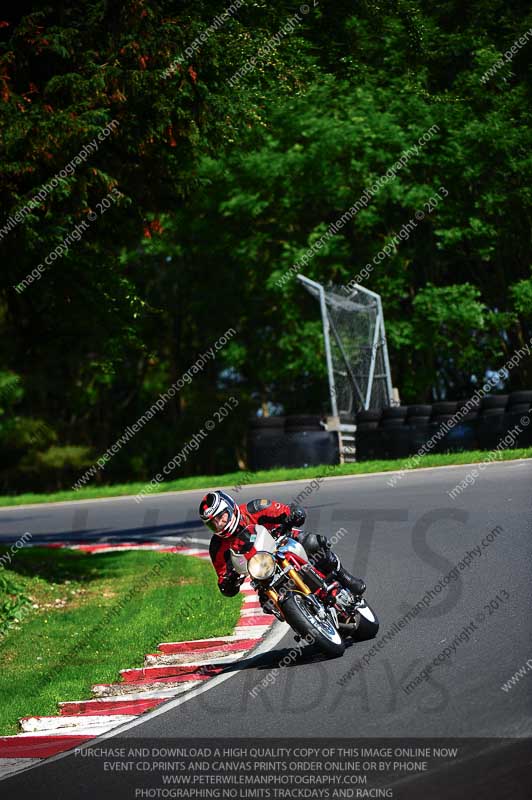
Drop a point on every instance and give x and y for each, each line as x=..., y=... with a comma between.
x=363, y=395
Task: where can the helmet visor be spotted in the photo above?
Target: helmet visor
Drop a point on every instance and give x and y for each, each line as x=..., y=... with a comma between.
x=218, y=523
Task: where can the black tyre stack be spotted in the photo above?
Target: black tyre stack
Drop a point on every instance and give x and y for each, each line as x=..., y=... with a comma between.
x=303, y=423
x=368, y=437
x=449, y=426
x=491, y=420
x=266, y=445
x=308, y=443
x=519, y=415
x=520, y=402
x=368, y=420
x=395, y=432
x=393, y=417
x=418, y=421
x=459, y=431
x=418, y=414
x=298, y=440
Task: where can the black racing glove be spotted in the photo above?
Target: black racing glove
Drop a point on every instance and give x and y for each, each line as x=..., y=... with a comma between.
x=296, y=518
x=230, y=585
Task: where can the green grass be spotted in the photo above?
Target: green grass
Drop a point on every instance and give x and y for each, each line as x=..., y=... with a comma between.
x=231, y=479
x=90, y=616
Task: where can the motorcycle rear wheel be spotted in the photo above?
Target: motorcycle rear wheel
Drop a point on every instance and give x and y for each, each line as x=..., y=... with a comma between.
x=323, y=634
x=368, y=623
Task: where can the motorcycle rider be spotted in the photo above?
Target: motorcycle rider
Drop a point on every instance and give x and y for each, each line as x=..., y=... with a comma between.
x=232, y=525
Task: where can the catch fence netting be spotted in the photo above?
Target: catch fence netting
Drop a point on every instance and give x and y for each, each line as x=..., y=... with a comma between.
x=356, y=338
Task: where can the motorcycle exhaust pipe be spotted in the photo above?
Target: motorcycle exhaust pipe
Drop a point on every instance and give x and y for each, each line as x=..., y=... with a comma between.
x=345, y=629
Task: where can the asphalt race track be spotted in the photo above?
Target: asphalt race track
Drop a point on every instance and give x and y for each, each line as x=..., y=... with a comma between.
x=402, y=539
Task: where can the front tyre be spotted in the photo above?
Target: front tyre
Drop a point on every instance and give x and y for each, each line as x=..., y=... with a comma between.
x=303, y=619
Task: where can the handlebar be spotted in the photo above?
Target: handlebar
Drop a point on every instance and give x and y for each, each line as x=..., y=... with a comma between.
x=282, y=530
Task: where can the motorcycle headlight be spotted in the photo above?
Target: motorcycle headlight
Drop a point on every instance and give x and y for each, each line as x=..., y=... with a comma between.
x=261, y=566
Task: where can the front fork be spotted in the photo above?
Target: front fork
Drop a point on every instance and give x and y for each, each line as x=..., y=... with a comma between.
x=294, y=579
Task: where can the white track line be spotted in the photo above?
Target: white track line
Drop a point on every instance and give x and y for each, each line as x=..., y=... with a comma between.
x=253, y=486
x=10, y=765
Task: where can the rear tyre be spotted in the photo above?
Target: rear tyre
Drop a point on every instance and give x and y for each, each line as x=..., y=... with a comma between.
x=266, y=422
x=521, y=397
x=394, y=412
x=518, y=408
x=367, y=426
x=369, y=415
x=303, y=422
x=301, y=617
x=419, y=410
x=368, y=624
x=497, y=401
x=444, y=407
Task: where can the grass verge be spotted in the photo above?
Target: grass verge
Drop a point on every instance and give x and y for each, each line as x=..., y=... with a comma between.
x=241, y=479
x=85, y=617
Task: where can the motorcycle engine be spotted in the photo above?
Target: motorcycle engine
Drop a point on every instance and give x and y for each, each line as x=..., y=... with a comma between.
x=345, y=599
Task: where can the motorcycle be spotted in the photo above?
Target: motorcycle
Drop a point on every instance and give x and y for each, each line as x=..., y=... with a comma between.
x=321, y=612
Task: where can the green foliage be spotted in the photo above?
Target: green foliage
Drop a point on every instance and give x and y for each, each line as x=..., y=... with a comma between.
x=10, y=390
x=12, y=599
x=72, y=457
x=54, y=466
x=522, y=296
x=80, y=602
x=224, y=189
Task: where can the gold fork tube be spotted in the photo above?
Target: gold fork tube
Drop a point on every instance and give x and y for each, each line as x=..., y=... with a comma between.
x=294, y=577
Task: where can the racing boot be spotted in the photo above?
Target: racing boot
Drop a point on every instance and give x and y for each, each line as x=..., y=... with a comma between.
x=328, y=562
x=355, y=585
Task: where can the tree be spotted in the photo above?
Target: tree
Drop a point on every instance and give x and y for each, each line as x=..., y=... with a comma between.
x=217, y=188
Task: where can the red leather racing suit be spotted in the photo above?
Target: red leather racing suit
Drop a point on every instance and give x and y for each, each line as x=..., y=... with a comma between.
x=256, y=512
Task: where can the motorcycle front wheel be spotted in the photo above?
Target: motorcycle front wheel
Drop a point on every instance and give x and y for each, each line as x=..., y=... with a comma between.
x=302, y=616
